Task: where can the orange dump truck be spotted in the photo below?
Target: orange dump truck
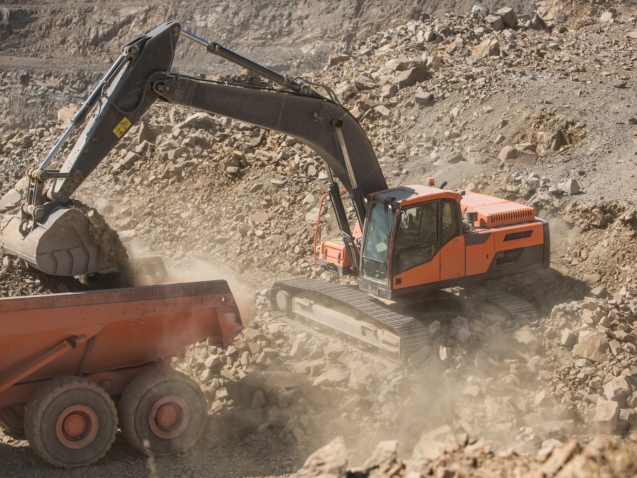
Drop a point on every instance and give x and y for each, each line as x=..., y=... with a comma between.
x=67, y=359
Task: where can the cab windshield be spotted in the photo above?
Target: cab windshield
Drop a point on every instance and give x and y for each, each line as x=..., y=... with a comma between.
x=375, y=250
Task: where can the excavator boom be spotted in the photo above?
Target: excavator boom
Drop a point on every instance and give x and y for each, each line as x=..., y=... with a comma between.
x=56, y=238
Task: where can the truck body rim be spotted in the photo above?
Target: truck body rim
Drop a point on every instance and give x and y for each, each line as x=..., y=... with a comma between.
x=77, y=427
x=169, y=417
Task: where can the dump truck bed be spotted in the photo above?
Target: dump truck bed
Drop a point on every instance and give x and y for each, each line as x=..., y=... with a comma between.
x=108, y=336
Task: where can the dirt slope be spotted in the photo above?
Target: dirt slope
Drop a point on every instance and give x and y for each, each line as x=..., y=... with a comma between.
x=488, y=392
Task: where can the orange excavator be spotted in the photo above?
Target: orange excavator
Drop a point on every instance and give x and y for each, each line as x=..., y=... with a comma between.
x=407, y=240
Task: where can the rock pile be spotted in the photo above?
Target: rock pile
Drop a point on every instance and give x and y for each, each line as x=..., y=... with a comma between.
x=444, y=454
x=16, y=279
x=597, y=374
x=477, y=99
x=520, y=384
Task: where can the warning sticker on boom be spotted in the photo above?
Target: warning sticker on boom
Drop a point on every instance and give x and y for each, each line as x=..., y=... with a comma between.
x=122, y=127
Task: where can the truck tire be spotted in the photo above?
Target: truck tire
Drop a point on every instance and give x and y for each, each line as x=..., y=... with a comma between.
x=70, y=422
x=162, y=412
x=12, y=422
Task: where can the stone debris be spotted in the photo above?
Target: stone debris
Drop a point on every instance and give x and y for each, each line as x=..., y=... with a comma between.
x=449, y=454
x=432, y=94
x=570, y=187
x=283, y=384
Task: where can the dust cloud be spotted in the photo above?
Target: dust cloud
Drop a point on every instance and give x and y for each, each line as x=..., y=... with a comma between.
x=151, y=270
x=200, y=270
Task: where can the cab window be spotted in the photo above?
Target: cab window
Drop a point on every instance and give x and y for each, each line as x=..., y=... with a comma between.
x=417, y=243
x=450, y=221
x=377, y=243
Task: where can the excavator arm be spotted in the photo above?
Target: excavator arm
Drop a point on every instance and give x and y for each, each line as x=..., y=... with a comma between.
x=55, y=238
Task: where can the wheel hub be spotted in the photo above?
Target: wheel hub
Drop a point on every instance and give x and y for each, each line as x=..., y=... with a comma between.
x=169, y=417
x=74, y=424
x=77, y=426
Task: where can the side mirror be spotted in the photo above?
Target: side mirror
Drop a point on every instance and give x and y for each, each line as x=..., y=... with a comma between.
x=404, y=220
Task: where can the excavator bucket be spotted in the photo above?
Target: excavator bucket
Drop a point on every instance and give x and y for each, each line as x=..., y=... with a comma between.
x=64, y=244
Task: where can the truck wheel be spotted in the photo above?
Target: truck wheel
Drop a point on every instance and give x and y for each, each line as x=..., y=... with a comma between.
x=162, y=411
x=12, y=422
x=70, y=422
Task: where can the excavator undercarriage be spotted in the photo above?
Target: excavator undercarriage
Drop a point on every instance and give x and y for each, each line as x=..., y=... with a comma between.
x=393, y=329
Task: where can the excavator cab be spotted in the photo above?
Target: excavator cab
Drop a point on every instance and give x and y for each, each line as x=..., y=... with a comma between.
x=416, y=239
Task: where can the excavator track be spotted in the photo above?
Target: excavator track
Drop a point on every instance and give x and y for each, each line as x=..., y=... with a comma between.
x=372, y=325
x=517, y=308
x=352, y=313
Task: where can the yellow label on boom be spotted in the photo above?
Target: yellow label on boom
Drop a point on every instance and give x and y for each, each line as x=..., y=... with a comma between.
x=121, y=128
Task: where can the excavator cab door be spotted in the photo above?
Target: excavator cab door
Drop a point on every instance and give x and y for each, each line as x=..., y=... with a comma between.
x=431, y=246
x=415, y=258
x=452, y=252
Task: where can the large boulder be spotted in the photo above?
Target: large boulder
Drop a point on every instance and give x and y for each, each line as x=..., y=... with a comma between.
x=516, y=155
x=508, y=16
x=66, y=113
x=592, y=346
x=489, y=47
x=327, y=462
x=495, y=21
x=198, y=121
x=618, y=390
x=10, y=200
x=411, y=77
x=606, y=415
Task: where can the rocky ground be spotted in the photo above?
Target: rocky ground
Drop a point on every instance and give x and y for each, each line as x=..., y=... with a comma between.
x=81, y=39
x=542, y=113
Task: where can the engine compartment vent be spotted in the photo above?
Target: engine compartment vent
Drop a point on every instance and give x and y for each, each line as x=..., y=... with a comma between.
x=506, y=218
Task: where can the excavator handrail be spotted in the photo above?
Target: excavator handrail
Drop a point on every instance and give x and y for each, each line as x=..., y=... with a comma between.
x=317, y=226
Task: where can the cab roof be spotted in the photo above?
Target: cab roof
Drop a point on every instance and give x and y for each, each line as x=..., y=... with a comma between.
x=414, y=194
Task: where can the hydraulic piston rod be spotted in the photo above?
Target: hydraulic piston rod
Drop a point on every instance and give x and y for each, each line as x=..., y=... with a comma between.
x=229, y=55
x=86, y=107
